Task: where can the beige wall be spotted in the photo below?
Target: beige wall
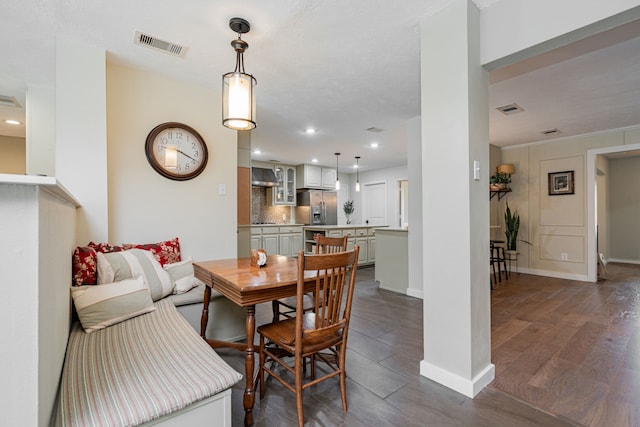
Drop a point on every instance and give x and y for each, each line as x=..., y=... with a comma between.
x=624, y=209
x=555, y=225
x=143, y=205
x=13, y=158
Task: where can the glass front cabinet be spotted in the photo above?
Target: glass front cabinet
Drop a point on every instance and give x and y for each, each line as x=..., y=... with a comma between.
x=284, y=193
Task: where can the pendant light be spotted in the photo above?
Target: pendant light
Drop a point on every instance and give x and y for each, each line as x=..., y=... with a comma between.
x=238, y=101
x=357, y=173
x=337, y=178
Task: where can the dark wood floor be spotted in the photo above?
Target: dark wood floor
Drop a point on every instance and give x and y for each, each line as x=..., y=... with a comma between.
x=384, y=386
x=571, y=348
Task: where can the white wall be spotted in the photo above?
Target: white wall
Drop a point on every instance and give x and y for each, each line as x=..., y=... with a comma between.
x=455, y=132
x=512, y=30
x=81, y=133
x=41, y=130
x=414, y=164
x=38, y=235
x=602, y=209
x=147, y=207
x=624, y=209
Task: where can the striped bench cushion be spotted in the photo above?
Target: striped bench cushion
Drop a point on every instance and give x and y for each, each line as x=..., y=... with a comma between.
x=137, y=371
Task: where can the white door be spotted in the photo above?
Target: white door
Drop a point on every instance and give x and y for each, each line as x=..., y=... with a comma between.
x=374, y=198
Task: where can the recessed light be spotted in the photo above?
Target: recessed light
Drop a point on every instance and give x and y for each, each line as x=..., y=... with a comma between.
x=310, y=131
x=257, y=151
x=314, y=160
x=12, y=122
x=373, y=145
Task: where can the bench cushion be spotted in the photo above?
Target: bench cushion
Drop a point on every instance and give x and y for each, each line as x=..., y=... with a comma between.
x=137, y=371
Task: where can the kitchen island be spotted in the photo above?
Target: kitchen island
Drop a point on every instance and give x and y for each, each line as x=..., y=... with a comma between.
x=361, y=235
x=392, y=267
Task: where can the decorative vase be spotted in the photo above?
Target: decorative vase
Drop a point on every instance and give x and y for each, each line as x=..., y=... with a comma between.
x=348, y=218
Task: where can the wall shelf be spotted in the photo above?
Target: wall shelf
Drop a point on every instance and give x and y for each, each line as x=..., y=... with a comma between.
x=501, y=193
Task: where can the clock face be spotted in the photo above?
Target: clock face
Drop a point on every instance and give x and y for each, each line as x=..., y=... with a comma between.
x=176, y=151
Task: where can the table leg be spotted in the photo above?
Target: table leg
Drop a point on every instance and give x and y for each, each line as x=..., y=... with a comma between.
x=249, y=365
x=204, y=319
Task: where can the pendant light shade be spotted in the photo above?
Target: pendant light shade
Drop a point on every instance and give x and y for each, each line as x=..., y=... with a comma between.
x=238, y=100
x=357, y=173
x=337, y=177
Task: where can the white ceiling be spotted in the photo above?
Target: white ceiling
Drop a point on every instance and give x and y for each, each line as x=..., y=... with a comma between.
x=339, y=67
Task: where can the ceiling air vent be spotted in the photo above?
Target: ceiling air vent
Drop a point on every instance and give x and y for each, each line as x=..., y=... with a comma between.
x=510, y=109
x=374, y=129
x=9, y=101
x=553, y=131
x=172, y=49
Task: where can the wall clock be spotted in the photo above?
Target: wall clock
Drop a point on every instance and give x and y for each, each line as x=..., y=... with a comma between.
x=176, y=151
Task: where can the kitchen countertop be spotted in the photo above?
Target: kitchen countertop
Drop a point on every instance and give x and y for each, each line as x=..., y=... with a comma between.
x=271, y=225
x=324, y=227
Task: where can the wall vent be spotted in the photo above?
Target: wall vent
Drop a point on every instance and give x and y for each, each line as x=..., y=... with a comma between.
x=374, y=129
x=155, y=43
x=9, y=101
x=510, y=109
x=553, y=131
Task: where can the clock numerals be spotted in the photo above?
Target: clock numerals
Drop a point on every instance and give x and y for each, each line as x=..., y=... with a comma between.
x=181, y=144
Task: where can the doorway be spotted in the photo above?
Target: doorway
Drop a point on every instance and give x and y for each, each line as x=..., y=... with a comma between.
x=374, y=203
x=403, y=203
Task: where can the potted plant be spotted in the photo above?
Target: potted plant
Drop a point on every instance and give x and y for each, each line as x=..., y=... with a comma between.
x=512, y=226
x=348, y=210
x=499, y=181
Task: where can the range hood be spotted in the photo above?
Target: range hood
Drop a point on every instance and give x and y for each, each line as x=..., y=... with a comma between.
x=263, y=177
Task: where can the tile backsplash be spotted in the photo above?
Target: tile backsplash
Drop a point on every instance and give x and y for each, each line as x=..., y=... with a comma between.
x=264, y=212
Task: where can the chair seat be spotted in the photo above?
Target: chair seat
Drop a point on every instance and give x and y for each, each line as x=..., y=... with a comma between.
x=290, y=302
x=284, y=332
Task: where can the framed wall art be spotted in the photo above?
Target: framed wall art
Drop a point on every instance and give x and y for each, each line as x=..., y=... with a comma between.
x=561, y=183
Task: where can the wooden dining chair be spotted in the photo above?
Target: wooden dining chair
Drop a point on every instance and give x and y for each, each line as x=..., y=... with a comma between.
x=320, y=335
x=286, y=307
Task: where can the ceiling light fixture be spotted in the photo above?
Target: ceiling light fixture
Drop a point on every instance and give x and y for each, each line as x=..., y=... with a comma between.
x=357, y=173
x=314, y=160
x=238, y=102
x=374, y=145
x=337, y=178
x=310, y=131
x=12, y=122
x=257, y=151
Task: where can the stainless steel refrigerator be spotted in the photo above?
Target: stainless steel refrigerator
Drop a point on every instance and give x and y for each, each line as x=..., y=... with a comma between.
x=317, y=207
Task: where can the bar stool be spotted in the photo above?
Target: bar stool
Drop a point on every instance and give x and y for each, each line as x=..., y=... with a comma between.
x=497, y=258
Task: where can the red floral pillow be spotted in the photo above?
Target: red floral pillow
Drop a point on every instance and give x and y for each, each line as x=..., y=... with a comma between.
x=85, y=262
x=166, y=252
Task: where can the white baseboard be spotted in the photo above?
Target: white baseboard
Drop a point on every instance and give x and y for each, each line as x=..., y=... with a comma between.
x=415, y=293
x=624, y=261
x=556, y=274
x=469, y=388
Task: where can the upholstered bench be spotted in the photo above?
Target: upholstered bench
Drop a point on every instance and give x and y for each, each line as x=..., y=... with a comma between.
x=153, y=368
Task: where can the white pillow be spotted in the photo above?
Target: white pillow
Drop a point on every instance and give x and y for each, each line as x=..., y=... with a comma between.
x=117, y=266
x=99, y=306
x=182, y=275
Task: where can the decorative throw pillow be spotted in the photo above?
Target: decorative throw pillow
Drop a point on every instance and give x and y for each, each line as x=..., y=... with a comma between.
x=166, y=252
x=117, y=266
x=104, y=305
x=182, y=275
x=85, y=260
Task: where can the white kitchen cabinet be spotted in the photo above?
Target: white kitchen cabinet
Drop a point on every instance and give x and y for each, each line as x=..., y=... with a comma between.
x=363, y=253
x=311, y=176
x=284, y=193
x=329, y=177
x=290, y=240
x=364, y=236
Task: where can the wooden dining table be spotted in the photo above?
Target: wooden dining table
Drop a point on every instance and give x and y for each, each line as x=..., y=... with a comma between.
x=248, y=285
